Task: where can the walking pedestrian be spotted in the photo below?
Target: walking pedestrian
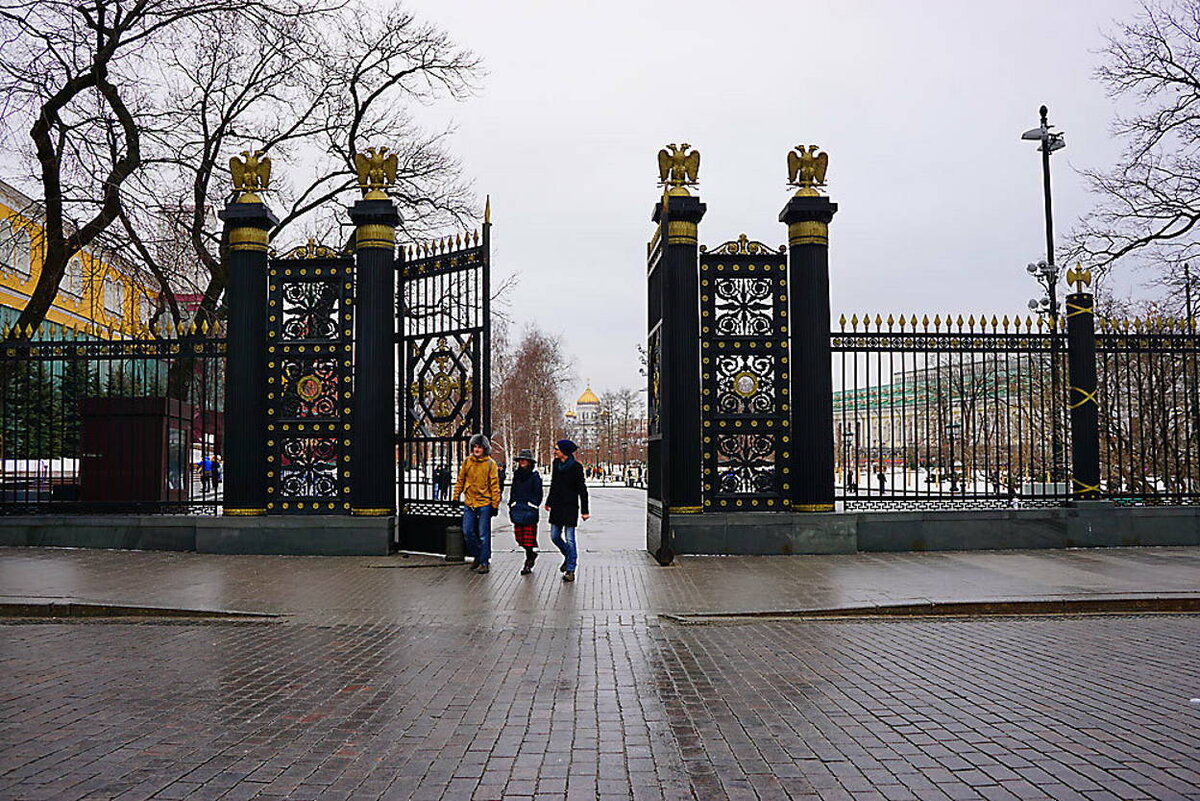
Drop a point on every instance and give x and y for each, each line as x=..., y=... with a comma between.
x=566, y=502
x=478, y=487
x=216, y=474
x=444, y=483
x=881, y=477
x=524, y=498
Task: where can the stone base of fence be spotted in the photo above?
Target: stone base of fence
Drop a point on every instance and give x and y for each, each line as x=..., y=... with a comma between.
x=1088, y=525
x=293, y=535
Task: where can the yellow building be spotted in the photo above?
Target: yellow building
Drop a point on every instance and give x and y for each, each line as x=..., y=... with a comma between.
x=98, y=293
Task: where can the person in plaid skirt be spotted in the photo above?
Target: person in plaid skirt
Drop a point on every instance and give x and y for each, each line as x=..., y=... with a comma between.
x=523, y=500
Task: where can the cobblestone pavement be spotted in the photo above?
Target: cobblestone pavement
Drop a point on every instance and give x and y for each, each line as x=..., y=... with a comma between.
x=431, y=682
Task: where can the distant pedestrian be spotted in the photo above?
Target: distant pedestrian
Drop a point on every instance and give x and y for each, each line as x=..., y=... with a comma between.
x=566, y=502
x=444, y=482
x=205, y=465
x=501, y=469
x=523, y=501
x=216, y=474
x=478, y=487
x=882, y=479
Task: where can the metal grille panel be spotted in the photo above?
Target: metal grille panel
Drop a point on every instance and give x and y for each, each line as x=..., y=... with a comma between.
x=744, y=377
x=310, y=351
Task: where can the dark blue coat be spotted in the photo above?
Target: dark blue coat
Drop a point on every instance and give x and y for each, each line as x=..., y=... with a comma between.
x=525, y=497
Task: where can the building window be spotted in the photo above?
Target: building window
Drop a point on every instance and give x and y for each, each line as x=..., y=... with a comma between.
x=73, y=280
x=114, y=297
x=14, y=249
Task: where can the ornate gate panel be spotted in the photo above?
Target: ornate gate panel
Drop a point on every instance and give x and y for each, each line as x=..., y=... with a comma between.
x=444, y=341
x=744, y=375
x=310, y=346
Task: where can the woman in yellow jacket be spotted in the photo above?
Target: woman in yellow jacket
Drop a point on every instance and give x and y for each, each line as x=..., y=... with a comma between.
x=479, y=480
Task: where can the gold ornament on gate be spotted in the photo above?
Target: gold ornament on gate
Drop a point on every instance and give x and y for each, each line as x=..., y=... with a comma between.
x=376, y=170
x=807, y=169
x=678, y=168
x=251, y=174
x=1080, y=276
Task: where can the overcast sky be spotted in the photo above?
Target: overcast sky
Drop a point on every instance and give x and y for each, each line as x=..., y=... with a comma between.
x=919, y=104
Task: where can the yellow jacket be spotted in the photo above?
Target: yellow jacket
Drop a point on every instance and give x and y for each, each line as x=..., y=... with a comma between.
x=480, y=478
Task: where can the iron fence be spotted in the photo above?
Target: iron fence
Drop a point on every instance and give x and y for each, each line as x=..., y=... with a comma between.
x=1149, y=408
x=93, y=425
x=973, y=413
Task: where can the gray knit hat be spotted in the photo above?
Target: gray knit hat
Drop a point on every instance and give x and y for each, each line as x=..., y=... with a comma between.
x=481, y=441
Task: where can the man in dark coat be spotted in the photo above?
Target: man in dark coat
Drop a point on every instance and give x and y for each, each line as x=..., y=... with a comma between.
x=566, y=502
x=523, y=501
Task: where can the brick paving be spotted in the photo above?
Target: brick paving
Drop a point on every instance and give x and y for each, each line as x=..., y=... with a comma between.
x=381, y=682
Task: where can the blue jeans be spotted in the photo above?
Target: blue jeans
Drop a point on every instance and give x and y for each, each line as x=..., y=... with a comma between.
x=477, y=533
x=564, y=538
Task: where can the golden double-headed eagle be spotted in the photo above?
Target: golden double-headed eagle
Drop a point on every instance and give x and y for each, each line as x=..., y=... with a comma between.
x=678, y=167
x=807, y=170
x=376, y=169
x=251, y=173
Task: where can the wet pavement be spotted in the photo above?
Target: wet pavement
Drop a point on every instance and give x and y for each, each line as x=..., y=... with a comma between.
x=405, y=678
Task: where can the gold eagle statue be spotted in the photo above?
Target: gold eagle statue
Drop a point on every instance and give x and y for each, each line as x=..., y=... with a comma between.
x=807, y=170
x=678, y=167
x=376, y=169
x=251, y=173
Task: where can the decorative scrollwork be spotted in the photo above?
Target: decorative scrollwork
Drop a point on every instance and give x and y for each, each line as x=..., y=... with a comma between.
x=746, y=464
x=442, y=387
x=310, y=250
x=745, y=384
x=310, y=310
x=743, y=246
x=743, y=307
x=654, y=366
x=310, y=388
x=308, y=467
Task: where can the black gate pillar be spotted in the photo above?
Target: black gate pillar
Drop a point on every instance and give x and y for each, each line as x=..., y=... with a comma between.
x=373, y=459
x=681, y=451
x=807, y=216
x=1081, y=373
x=247, y=222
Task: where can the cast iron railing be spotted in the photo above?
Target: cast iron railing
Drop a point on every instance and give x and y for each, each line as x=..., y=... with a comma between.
x=92, y=425
x=970, y=413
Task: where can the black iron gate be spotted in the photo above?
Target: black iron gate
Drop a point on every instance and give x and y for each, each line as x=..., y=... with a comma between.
x=444, y=396
x=310, y=343
x=744, y=376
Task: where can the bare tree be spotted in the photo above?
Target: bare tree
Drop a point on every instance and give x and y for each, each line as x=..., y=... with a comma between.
x=76, y=80
x=1149, y=204
x=528, y=405
x=307, y=82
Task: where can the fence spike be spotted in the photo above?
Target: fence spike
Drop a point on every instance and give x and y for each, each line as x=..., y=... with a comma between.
x=902, y=322
x=959, y=322
x=937, y=322
x=878, y=322
x=1041, y=323
x=913, y=322
x=891, y=321
x=854, y=322
x=925, y=322
x=7, y=329
x=842, y=322
x=970, y=322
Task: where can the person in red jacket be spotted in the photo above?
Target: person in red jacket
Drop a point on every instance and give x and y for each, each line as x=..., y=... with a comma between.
x=566, y=502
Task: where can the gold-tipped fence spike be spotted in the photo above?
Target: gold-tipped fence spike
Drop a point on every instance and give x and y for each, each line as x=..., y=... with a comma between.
x=891, y=321
x=937, y=322
x=914, y=322
x=971, y=322
x=960, y=322
x=995, y=323
x=1041, y=322
x=7, y=330
x=878, y=322
x=1005, y=323
x=925, y=322
x=902, y=322
x=842, y=322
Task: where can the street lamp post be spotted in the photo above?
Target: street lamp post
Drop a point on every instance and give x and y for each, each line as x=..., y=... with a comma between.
x=1047, y=275
x=951, y=430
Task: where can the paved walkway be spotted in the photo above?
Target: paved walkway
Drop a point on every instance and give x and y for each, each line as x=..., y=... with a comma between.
x=403, y=678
